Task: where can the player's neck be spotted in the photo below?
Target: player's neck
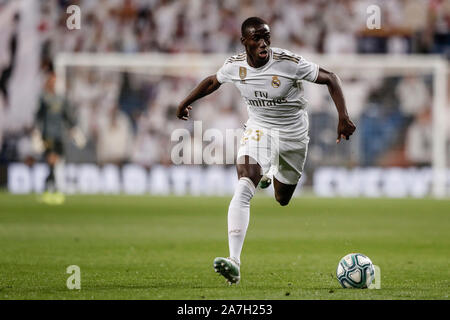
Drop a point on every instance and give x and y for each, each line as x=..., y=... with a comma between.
x=255, y=63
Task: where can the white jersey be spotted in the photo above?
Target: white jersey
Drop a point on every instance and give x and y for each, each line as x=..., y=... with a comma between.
x=274, y=92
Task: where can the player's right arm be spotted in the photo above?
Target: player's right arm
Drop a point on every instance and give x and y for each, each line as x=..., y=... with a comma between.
x=206, y=87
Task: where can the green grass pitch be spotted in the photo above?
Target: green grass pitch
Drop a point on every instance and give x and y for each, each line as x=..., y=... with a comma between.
x=142, y=247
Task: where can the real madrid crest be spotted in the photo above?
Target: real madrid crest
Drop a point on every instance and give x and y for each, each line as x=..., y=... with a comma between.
x=275, y=82
x=242, y=72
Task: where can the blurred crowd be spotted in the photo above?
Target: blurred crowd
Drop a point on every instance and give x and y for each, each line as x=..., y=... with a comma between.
x=129, y=117
x=420, y=26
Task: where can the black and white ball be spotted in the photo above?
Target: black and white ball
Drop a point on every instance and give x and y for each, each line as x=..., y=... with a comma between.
x=355, y=270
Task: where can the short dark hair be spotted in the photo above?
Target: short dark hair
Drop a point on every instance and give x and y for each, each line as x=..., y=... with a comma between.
x=251, y=22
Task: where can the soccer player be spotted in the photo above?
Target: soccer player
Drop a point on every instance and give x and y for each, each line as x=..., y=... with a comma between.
x=269, y=79
x=53, y=117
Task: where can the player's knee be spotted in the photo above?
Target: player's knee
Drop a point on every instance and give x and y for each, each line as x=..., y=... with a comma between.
x=249, y=171
x=283, y=201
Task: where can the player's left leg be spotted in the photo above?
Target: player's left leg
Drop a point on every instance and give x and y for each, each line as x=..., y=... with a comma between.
x=283, y=192
x=291, y=162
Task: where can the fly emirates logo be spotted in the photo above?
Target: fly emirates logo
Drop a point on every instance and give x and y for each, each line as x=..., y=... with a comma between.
x=262, y=100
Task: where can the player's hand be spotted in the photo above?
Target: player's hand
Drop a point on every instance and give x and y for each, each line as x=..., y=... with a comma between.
x=183, y=112
x=345, y=129
x=78, y=137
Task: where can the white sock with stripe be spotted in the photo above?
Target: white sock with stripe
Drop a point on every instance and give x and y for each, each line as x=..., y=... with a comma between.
x=239, y=216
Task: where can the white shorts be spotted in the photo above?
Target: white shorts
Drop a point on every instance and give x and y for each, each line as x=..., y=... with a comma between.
x=281, y=158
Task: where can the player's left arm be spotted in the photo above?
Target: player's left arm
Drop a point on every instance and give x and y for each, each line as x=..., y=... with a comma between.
x=345, y=126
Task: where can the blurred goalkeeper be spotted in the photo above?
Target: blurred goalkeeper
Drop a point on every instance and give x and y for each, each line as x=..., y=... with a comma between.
x=53, y=118
x=270, y=81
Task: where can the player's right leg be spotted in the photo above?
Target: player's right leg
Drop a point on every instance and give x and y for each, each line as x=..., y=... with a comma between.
x=249, y=174
x=53, y=156
x=50, y=181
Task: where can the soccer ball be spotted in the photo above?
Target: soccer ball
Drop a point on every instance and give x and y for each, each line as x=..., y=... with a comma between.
x=355, y=270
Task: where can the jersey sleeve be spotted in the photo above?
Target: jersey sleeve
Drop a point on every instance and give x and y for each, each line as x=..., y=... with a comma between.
x=307, y=70
x=224, y=75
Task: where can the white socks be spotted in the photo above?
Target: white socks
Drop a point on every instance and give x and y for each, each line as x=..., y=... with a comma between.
x=239, y=216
